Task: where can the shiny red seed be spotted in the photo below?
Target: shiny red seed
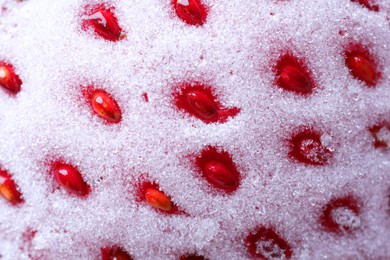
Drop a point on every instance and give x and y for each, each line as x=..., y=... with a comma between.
x=8, y=188
x=381, y=135
x=292, y=75
x=218, y=168
x=198, y=101
x=265, y=243
x=104, y=23
x=362, y=66
x=341, y=215
x=9, y=80
x=368, y=4
x=70, y=178
x=192, y=12
x=158, y=199
x=105, y=106
x=306, y=147
x=114, y=253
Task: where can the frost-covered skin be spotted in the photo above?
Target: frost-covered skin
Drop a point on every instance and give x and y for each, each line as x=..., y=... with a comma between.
x=200, y=129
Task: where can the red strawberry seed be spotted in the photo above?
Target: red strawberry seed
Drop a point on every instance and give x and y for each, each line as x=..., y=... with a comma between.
x=192, y=12
x=8, y=188
x=70, y=178
x=362, y=66
x=219, y=170
x=157, y=199
x=104, y=23
x=292, y=75
x=105, y=106
x=198, y=101
x=9, y=80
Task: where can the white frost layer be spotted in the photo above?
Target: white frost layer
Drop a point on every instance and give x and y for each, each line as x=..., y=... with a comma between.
x=238, y=45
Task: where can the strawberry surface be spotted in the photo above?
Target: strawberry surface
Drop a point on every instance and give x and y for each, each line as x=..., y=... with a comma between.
x=195, y=129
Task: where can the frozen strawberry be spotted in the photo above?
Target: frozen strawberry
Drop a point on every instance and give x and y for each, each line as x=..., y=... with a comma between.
x=8, y=188
x=102, y=20
x=265, y=243
x=195, y=129
x=9, y=80
x=114, y=253
x=105, y=106
x=341, y=215
x=218, y=168
x=362, y=66
x=292, y=75
x=192, y=12
x=199, y=101
x=70, y=178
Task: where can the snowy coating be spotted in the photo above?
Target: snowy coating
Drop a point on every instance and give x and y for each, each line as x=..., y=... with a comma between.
x=234, y=52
